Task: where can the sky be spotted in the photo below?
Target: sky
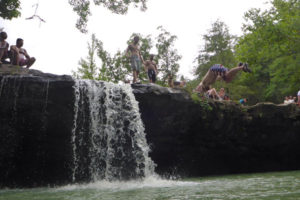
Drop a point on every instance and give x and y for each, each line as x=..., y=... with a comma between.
x=58, y=46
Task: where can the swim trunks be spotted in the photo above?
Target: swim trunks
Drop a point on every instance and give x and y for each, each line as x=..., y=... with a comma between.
x=218, y=68
x=135, y=63
x=152, y=75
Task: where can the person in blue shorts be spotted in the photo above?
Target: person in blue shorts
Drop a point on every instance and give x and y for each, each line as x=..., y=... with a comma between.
x=135, y=57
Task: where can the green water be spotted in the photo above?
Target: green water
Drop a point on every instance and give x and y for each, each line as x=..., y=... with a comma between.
x=266, y=186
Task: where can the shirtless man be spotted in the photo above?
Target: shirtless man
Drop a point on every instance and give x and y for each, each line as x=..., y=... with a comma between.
x=3, y=47
x=220, y=72
x=20, y=55
x=136, y=58
x=151, y=69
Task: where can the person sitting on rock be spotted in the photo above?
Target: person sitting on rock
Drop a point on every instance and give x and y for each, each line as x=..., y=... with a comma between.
x=243, y=101
x=220, y=72
x=3, y=47
x=221, y=93
x=286, y=100
x=212, y=94
x=20, y=56
x=175, y=84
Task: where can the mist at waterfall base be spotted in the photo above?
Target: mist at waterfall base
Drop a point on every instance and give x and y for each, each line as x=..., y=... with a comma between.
x=265, y=186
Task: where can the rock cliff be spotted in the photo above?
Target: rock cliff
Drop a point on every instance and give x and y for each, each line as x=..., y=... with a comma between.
x=187, y=138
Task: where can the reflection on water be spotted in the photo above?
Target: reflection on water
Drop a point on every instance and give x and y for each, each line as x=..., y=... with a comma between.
x=267, y=186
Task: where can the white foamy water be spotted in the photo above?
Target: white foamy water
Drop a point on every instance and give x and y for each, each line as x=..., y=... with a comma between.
x=148, y=182
x=109, y=141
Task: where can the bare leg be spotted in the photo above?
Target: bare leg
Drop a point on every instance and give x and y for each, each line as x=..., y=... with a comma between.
x=229, y=76
x=209, y=78
x=1, y=54
x=134, y=76
x=14, y=58
x=137, y=76
x=30, y=62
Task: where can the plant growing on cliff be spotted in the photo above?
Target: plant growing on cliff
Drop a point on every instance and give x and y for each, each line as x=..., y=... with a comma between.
x=202, y=101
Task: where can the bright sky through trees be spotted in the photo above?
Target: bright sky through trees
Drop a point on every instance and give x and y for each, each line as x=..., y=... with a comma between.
x=58, y=45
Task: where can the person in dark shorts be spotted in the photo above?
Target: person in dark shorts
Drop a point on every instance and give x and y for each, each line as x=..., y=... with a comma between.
x=151, y=69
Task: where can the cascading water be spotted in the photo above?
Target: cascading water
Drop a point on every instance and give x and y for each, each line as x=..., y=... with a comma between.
x=108, y=135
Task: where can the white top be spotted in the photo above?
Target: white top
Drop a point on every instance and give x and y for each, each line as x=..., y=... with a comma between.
x=291, y=101
x=298, y=93
x=22, y=54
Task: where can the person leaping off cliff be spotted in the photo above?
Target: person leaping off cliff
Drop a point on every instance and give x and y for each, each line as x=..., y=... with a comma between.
x=218, y=71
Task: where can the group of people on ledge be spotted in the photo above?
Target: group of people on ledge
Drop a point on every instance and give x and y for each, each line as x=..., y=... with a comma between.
x=291, y=99
x=136, y=59
x=15, y=55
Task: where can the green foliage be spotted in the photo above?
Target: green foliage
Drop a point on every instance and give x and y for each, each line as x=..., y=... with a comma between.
x=218, y=49
x=118, y=67
x=9, y=9
x=88, y=69
x=113, y=68
x=271, y=45
x=202, y=101
x=82, y=8
x=167, y=54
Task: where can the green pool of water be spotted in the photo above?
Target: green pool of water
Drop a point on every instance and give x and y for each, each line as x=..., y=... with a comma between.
x=266, y=186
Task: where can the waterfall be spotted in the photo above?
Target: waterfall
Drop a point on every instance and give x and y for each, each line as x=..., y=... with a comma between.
x=108, y=134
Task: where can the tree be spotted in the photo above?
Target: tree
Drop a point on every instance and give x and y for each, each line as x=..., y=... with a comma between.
x=167, y=54
x=88, y=68
x=271, y=45
x=10, y=9
x=82, y=8
x=218, y=49
x=113, y=68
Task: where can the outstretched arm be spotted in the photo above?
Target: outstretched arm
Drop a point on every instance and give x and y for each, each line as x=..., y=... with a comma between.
x=127, y=50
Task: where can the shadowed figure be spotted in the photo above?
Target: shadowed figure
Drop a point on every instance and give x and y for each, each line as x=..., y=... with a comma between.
x=3, y=47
